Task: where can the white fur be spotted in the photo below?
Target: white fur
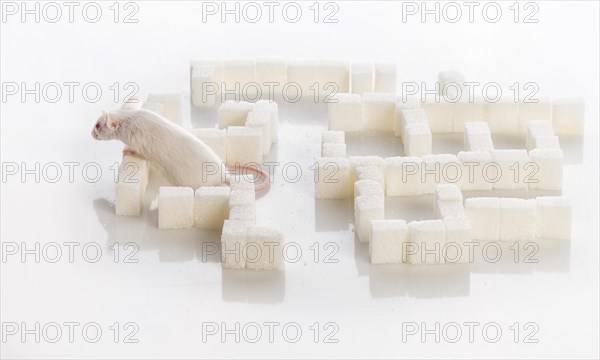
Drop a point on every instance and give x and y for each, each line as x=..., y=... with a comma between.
x=177, y=154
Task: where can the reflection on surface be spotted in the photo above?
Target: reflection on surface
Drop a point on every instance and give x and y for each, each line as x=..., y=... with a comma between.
x=247, y=286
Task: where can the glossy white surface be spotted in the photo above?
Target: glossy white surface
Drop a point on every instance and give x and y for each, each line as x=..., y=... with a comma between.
x=177, y=290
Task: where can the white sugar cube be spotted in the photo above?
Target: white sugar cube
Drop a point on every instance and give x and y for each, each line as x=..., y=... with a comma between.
x=155, y=107
x=549, y=166
x=214, y=138
x=175, y=207
x=244, y=145
x=384, y=80
x=334, y=76
x=333, y=137
x=458, y=234
x=271, y=70
x=537, y=128
x=361, y=78
x=332, y=178
x=503, y=116
x=447, y=192
x=233, y=113
x=204, y=88
x=241, y=182
x=358, y=161
x=243, y=212
x=568, y=115
x=439, y=115
x=345, y=112
x=367, y=187
x=387, y=241
x=233, y=243
x=473, y=167
x=481, y=142
x=370, y=173
x=131, y=186
x=528, y=111
x=405, y=117
x=273, y=109
x=173, y=106
x=517, y=219
x=476, y=128
x=264, y=249
x=333, y=150
x=417, y=140
x=211, y=206
x=451, y=208
x=553, y=217
x=450, y=83
x=304, y=73
x=427, y=239
x=484, y=217
x=546, y=142
x=242, y=197
x=237, y=74
x=367, y=208
x=510, y=169
x=261, y=120
x=217, y=64
x=439, y=169
x=467, y=111
x=403, y=176
x=378, y=111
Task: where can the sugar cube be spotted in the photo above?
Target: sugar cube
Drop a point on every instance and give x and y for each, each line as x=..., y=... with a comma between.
x=370, y=173
x=361, y=78
x=467, y=111
x=439, y=115
x=473, y=168
x=243, y=212
x=481, y=142
x=273, y=109
x=214, y=138
x=332, y=178
x=238, y=74
x=553, y=217
x=264, y=249
x=173, y=106
x=378, y=111
x=367, y=187
x=517, y=219
x=155, y=107
x=203, y=85
x=403, y=176
x=439, y=169
x=242, y=197
x=304, y=73
x=271, y=70
x=233, y=243
x=511, y=167
x=384, y=80
x=450, y=83
x=447, y=192
x=211, y=206
x=503, y=116
x=244, y=145
x=175, y=207
x=405, y=117
x=484, y=217
x=131, y=186
x=233, y=113
x=334, y=76
x=241, y=182
x=333, y=150
x=537, y=128
x=345, y=112
x=261, y=120
x=333, y=137
x=358, y=161
x=449, y=208
x=546, y=142
x=568, y=115
x=427, y=238
x=528, y=111
x=417, y=140
x=387, y=240
x=458, y=234
x=367, y=208
x=476, y=128
x=549, y=166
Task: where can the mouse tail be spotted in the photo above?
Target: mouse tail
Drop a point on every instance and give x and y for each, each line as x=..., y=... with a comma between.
x=263, y=178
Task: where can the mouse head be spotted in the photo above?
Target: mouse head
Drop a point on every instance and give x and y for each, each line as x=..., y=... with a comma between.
x=106, y=127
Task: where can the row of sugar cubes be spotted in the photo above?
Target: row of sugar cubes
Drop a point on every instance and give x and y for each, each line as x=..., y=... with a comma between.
x=254, y=77
x=233, y=211
x=385, y=112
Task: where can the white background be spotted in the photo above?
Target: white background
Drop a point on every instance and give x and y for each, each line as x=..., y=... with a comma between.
x=172, y=290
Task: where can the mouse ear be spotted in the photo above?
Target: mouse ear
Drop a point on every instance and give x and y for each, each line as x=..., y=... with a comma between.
x=111, y=121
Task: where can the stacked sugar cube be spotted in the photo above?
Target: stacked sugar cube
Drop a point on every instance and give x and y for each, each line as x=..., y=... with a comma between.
x=170, y=106
x=332, y=169
x=131, y=186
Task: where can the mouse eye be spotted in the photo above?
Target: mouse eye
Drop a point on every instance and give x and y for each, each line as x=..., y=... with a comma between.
x=97, y=125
